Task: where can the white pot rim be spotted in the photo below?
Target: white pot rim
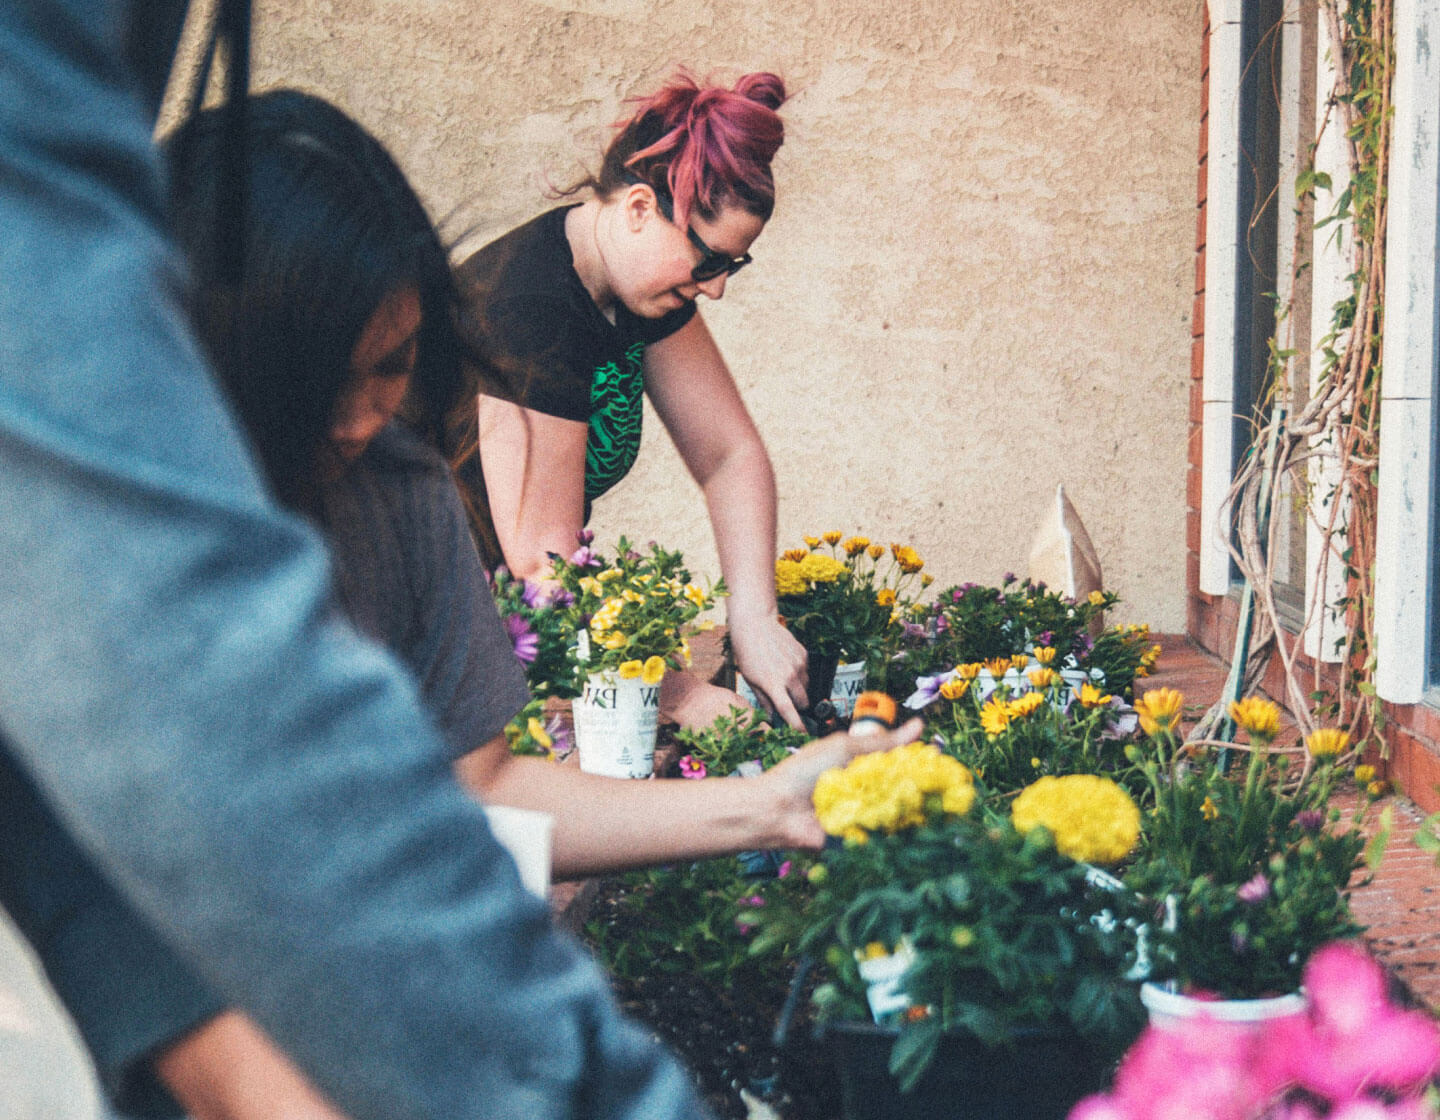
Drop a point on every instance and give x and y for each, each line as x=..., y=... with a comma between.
x=1160, y=1001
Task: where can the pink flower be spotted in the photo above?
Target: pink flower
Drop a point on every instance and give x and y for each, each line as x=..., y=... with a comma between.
x=1254, y=890
x=783, y=870
x=691, y=767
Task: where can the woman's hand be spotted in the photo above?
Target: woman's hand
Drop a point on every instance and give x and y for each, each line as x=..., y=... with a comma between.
x=794, y=779
x=692, y=702
x=772, y=661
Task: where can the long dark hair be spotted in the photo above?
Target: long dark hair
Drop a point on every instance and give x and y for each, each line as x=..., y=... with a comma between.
x=332, y=228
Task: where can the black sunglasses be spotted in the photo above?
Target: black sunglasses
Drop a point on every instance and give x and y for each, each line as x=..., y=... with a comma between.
x=712, y=262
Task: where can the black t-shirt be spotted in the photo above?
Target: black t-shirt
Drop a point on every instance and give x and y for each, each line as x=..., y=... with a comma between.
x=408, y=575
x=527, y=314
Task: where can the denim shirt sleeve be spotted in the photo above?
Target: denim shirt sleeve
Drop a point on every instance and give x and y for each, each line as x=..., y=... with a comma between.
x=258, y=783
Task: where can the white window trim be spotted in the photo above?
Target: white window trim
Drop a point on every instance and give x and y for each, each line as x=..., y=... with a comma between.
x=1406, y=499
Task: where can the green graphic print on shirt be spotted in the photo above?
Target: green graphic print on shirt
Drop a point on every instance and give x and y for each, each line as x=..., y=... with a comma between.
x=617, y=409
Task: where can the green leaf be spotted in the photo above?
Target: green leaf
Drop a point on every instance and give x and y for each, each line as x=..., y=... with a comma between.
x=914, y=1050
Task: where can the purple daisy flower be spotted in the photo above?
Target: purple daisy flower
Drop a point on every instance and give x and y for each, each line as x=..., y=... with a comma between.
x=525, y=640
x=583, y=557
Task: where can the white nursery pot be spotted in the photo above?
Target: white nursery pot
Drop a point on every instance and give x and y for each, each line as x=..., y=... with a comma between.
x=849, y=684
x=615, y=725
x=1170, y=1010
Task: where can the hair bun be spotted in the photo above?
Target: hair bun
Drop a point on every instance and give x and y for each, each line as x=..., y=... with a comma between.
x=763, y=88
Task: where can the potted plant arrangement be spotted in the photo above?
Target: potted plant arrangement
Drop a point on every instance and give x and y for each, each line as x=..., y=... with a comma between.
x=1352, y=1055
x=631, y=615
x=838, y=596
x=740, y=743
x=949, y=926
x=1254, y=866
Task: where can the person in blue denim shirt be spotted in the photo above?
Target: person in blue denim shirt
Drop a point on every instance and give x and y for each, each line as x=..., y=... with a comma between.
x=189, y=712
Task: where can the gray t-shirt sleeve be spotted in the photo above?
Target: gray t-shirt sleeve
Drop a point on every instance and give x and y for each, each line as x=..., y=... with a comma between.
x=410, y=577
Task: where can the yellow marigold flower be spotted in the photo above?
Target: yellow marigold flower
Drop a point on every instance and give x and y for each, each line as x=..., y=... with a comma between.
x=795, y=554
x=819, y=568
x=1097, y=598
x=1208, y=809
x=1258, y=716
x=695, y=594
x=1327, y=742
x=1044, y=654
x=813, y=542
x=954, y=689
x=908, y=559
x=1022, y=706
x=1159, y=710
x=615, y=640
x=538, y=733
x=1092, y=697
x=887, y=790
x=1364, y=775
x=788, y=580
x=998, y=666
x=1092, y=819
x=832, y=537
x=654, y=670
x=995, y=717
x=854, y=546
x=629, y=670
x=1043, y=677
x=885, y=596
x=875, y=551
x=970, y=670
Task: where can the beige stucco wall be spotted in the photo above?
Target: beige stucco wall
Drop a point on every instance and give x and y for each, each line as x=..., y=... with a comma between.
x=977, y=281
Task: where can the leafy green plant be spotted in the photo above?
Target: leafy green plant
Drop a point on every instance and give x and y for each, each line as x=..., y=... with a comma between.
x=541, y=626
x=733, y=741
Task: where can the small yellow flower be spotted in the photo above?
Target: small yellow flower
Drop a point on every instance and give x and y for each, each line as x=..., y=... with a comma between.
x=1034, y=763
x=609, y=575
x=1097, y=598
x=591, y=586
x=705, y=625
x=685, y=652
x=1044, y=654
x=832, y=537
x=874, y=951
x=632, y=596
x=908, y=559
x=1043, y=677
x=1208, y=809
x=1023, y=706
x=1092, y=697
x=1327, y=742
x=970, y=670
x=1159, y=710
x=654, y=670
x=1258, y=716
x=926, y=580
x=538, y=733
x=615, y=640
x=813, y=542
x=875, y=551
x=629, y=670
x=885, y=596
x=856, y=545
x=954, y=689
x=1378, y=789
x=995, y=717
x=998, y=666
x=1364, y=775
x=794, y=555
x=695, y=594
x=962, y=937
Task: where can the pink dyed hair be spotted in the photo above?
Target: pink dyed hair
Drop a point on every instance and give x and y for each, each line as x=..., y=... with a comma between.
x=702, y=147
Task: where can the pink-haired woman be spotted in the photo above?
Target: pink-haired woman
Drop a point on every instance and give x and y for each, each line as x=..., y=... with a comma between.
x=588, y=308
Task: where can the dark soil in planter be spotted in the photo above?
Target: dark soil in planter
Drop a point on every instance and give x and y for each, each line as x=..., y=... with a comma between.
x=725, y=1036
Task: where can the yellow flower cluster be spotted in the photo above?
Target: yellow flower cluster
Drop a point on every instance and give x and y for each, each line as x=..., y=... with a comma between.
x=1327, y=742
x=1092, y=697
x=998, y=713
x=889, y=790
x=955, y=688
x=856, y=545
x=795, y=577
x=1159, y=710
x=1044, y=654
x=1092, y=819
x=651, y=670
x=1043, y=677
x=908, y=559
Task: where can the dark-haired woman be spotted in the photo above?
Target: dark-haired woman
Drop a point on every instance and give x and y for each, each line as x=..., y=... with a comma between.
x=585, y=310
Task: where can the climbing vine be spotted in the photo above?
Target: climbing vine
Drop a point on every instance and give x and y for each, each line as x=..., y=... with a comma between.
x=1327, y=448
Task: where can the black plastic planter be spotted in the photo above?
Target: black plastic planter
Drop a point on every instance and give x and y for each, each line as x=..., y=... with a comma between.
x=821, y=673
x=1039, y=1076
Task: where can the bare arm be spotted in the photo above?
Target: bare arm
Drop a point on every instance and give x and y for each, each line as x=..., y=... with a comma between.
x=534, y=468
x=696, y=398
x=228, y=1069
x=609, y=824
